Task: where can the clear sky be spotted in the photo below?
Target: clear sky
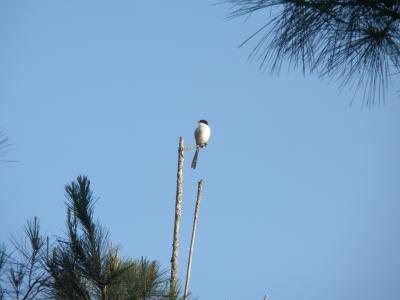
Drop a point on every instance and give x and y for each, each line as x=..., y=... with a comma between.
x=301, y=189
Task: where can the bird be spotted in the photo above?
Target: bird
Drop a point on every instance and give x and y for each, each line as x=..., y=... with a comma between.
x=201, y=135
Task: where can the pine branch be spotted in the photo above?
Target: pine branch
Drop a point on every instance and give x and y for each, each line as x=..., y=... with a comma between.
x=357, y=42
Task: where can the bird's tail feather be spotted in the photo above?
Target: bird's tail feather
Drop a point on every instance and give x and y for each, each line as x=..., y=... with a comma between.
x=194, y=161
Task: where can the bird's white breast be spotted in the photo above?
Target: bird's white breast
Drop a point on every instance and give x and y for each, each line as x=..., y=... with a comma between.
x=202, y=134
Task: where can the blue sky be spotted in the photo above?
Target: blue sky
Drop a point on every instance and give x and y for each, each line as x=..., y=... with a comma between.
x=301, y=189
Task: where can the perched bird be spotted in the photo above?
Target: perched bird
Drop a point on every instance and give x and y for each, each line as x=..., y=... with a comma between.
x=202, y=135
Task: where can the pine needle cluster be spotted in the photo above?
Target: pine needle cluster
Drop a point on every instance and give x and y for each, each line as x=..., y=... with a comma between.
x=356, y=42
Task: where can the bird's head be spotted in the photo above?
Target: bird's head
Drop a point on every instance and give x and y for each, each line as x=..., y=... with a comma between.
x=203, y=122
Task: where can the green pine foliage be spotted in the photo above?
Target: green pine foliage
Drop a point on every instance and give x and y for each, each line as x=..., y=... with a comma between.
x=82, y=265
x=356, y=42
x=22, y=275
x=142, y=280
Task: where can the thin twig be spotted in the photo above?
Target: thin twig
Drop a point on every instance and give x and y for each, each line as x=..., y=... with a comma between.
x=192, y=148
